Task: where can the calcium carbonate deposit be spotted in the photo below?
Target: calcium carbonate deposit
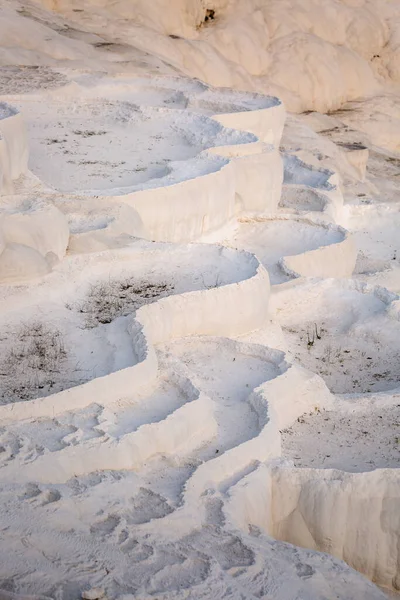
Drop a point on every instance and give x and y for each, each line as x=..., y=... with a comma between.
x=199, y=309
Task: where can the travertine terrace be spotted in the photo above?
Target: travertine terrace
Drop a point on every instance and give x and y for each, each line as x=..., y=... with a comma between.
x=199, y=378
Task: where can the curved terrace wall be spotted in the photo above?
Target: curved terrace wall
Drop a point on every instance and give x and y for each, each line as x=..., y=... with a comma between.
x=184, y=211
x=266, y=123
x=249, y=180
x=321, y=182
x=354, y=516
x=258, y=170
x=333, y=260
x=13, y=146
x=277, y=403
x=223, y=310
x=243, y=177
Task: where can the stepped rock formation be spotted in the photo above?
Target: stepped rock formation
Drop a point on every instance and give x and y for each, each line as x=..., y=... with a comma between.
x=314, y=55
x=199, y=299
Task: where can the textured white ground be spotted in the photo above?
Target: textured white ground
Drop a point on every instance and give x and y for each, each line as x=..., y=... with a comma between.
x=127, y=530
x=315, y=55
x=85, y=306
x=91, y=530
x=271, y=240
x=359, y=435
x=104, y=144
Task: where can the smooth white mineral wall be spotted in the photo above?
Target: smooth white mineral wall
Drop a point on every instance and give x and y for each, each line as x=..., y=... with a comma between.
x=14, y=150
x=354, y=516
x=258, y=170
x=184, y=211
x=334, y=260
x=358, y=158
x=6, y=185
x=266, y=123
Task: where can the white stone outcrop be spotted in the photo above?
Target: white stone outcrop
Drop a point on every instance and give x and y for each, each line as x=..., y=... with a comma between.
x=13, y=147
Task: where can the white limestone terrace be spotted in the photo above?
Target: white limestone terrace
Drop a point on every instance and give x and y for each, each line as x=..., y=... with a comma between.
x=309, y=189
x=345, y=330
x=95, y=305
x=177, y=92
x=159, y=415
x=83, y=143
x=293, y=247
x=126, y=136
x=117, y=148
x=375, y=230
x=225, y=100
x=298, y=172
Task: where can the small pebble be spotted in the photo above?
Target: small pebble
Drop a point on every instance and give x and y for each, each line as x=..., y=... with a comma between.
x=93, y=594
